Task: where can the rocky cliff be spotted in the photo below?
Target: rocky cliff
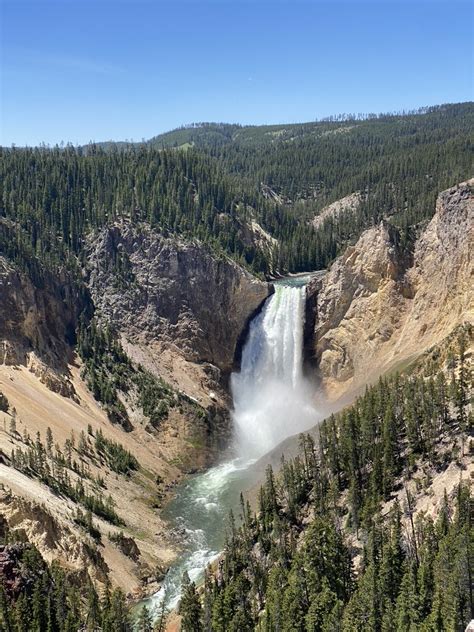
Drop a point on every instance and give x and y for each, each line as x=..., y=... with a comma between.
x=380, y=305
x=172, y=292
x=39, y=316
x=348, y=204
x=180, y=311
x=38, y=321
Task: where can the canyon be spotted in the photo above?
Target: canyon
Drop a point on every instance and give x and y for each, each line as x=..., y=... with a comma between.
x=183, y=314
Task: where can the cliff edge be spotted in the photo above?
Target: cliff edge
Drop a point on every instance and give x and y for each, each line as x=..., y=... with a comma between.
x=380, y=305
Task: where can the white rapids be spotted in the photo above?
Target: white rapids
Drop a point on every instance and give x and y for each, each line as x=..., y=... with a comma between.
x=271, y=402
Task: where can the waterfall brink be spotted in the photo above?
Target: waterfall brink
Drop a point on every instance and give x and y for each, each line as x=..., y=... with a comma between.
x=271, y=398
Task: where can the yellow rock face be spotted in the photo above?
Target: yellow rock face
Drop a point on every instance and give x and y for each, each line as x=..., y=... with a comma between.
x=378, y=307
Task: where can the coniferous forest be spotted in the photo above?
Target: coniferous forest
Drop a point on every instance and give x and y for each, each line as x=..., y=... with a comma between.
x=52, y=198
x=335, y=543
x=236, y=316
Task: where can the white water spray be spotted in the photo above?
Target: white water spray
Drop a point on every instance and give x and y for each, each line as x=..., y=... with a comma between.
x=271, y=402
x=271, y=398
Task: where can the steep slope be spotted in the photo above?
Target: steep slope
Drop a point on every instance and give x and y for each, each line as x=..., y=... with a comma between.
x=51, y=198
x=379, y=305
x=38, y=321
x=173, y=292
x=48, y=518
x=368, y=528
x=349, y=203
x=81, y=481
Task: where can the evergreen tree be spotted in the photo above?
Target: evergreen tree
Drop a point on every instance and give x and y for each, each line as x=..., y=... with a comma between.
x=13, y=430
x=4, y=405
x=190, y=606
x=144, y=622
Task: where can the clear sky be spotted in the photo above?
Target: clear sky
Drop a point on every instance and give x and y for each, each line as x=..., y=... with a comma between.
x=80, y=70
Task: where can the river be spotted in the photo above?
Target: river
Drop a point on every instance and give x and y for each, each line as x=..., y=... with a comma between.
x=272, y=401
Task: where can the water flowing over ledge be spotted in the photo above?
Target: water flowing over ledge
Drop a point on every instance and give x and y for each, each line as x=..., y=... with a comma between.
x=272, y=401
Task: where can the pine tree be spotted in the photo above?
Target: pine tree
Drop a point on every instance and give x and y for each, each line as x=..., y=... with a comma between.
x=144, y=621
x=13, y=431
x=82, y=445
x=190, y=606
x=390, y=448
x=207, y=600
x=4, y=405
x=407, y=607
x=461, y=389
x=93, y=607
x=49, y=441
x=119, y=613
x=160, y=623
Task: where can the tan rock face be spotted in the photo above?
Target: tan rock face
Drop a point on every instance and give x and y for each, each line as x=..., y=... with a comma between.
x=55, y=540
x=175, y=302
x=61, y=537
x=176, y=293
x=377, y=306
x=179, y=311
x=40, y=317
x=349, y=203
x=37, y=324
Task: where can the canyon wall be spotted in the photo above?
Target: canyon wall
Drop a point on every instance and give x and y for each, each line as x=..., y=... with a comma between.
x=381, y=305
x=179, y=311
x=173, y=292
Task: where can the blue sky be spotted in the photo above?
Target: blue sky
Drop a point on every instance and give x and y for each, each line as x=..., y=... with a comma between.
x=80, y=70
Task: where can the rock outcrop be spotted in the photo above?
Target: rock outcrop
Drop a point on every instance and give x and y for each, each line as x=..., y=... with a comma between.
x=56, y=540
x=176, y=293
x=378, y=305
x=180, y=311
x=349, y=203
x=37, y=317
x=14, y=578
x=38, y=320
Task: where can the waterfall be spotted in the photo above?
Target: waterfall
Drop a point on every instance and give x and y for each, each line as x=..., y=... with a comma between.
x=271, y=402
x=271, y=398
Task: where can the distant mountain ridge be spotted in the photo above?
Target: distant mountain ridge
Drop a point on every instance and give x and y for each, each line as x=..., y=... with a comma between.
x=205, y=135
x=216, y=181
x=208, y=133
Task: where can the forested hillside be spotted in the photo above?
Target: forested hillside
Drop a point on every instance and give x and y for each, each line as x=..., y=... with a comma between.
x=401, y=161
x=339, y=541
x=210, y=186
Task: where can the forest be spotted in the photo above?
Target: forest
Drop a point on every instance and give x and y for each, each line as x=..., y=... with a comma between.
x=335, y=542
x=53, y=198
x=236, y=334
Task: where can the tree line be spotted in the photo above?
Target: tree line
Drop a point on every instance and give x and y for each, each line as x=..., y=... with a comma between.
x=335, y=543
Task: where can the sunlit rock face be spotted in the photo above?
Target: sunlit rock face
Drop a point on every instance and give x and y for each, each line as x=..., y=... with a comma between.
x=39, y=314
x=172, y=291
x=380, y=305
